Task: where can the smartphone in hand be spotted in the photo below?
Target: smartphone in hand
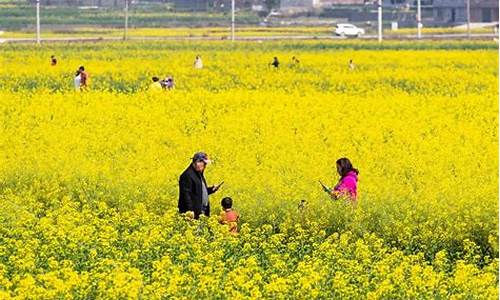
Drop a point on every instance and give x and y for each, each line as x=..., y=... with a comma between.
x=218, y=186
x=325, y=188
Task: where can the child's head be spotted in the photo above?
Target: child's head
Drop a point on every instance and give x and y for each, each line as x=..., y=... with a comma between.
x=226, y=203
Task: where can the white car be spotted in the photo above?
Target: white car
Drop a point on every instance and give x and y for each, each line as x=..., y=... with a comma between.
x=348, y=30
x=274, y=13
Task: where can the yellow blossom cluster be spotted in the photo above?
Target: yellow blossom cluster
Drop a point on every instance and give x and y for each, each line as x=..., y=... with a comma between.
x=89, y=180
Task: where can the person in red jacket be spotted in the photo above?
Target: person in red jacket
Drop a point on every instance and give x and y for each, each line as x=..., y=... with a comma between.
x=84, y=77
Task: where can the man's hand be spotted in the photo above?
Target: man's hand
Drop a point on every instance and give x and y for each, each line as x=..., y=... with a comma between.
x=216, y=187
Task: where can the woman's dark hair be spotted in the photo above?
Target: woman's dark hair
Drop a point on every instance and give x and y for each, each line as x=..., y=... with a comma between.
x=155, y=79
x=226, y=202
x=345, y=166
x=77, y=73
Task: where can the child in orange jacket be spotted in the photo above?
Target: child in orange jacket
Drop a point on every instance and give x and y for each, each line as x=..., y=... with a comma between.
x=228, y=215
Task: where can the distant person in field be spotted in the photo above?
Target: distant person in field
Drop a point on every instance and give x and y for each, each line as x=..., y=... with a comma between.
x=168, y=83
x=76, y=80
x=198, y=63
x=84, y=77
x=302, y=205
x=193, y=188
x=228, y=215
x=275, y=62
x=347, y=187
x=295, y=60
x=156, y=85
x=351, y=65
x=53, y=60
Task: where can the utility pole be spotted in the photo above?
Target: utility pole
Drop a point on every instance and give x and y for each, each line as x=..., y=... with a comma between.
x=232, y=20
x=468, y=19
x=38, y=22
x=125, y=29
x=419, y=19
x=380, y=20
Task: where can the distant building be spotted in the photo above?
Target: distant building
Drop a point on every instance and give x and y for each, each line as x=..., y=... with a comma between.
x=191, y=5
x=326, y=3
x=206, y=5
x=455, y=11
x=434, y=12
x=484, y=11
x=299, y=4
x=83, y=3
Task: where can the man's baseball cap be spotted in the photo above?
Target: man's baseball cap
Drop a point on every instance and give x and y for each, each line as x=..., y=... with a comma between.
x=201, y=156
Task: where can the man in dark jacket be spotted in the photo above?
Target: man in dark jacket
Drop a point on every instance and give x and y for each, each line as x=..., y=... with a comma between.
x=193, y=189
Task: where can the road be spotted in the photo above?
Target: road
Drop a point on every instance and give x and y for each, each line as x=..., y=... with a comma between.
x=454, y=36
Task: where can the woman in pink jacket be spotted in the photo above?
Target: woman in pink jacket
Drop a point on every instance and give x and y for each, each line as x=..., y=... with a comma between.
x=347, y=187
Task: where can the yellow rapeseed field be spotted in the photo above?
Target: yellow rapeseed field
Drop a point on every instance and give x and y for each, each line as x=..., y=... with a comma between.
x=88, y=180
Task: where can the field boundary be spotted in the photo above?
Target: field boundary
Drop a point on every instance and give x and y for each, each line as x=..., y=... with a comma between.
x=436, y=37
